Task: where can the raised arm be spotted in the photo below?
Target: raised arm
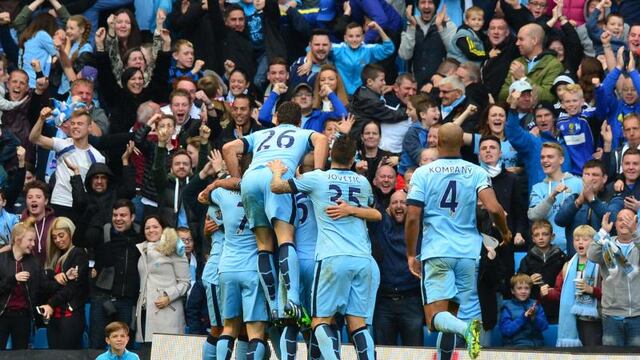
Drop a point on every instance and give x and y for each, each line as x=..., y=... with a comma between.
x=230, y=152
x=35, y=136
x=278, y=185
x=320, y=150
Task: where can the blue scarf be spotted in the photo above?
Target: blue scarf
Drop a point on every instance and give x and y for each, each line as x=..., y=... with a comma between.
x=572, y=305
x=447, y=109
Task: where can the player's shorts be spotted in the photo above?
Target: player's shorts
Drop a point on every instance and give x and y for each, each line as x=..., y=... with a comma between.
x=375, y=283
x=307, y=267
x=242, y=295
x=342, y=284
x=447, y=279
x=213, y=303
x=260, y=204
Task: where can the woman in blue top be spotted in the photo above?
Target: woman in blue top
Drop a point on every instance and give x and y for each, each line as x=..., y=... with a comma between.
x=39, y=41
x=78, y=31
x=492, y=122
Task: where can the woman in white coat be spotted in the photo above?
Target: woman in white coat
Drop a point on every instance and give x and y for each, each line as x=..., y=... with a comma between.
x=164, y=280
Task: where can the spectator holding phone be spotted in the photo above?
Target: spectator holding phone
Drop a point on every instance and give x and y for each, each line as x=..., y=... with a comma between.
x=20, y=277
x=522, y=321
x=66, y=286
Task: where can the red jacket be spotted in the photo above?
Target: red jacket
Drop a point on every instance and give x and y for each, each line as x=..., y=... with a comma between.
x=554, y=294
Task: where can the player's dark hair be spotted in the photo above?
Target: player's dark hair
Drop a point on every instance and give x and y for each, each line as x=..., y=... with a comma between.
x=120, y=203
x=289, y=113
x=343, y=150
x=318, y=32
x=490, y=138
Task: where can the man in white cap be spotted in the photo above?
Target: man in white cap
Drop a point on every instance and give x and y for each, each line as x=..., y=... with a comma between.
x=526, y=103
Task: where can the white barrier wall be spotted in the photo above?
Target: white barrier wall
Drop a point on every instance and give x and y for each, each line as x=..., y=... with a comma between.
x=183, y=347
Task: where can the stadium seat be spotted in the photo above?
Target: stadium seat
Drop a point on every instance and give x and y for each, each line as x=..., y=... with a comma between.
x=550, y=335
x=85, y=340
x=40, y=340
x=9, y=346
x=344, y=335
x=517, y=257
x=429, y=338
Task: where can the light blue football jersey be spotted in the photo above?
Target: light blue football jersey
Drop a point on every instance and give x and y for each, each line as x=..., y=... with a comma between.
x=306, y=230
x=447, y=189
x=239, y=251
x=345, y=236
x=285, y=142
x=210, y=271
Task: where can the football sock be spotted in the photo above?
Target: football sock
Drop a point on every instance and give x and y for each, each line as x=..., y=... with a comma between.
x=256, y=350
x=446, y=345
x=444, y=321
x=327, y=342
x=224, y=347
x=209, y=348
x=363, y=343
x=288, y=343
x=267, y=272
x=290, y=271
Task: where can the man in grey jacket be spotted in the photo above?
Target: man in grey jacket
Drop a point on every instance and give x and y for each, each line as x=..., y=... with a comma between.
x=424, y=41
x=619, y=258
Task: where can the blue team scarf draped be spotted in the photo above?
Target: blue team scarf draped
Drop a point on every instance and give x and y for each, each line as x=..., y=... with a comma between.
x=615, y=259
x=572, y=305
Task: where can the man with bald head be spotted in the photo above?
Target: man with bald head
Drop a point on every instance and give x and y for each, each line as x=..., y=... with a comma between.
x=383, y=185
x=536, y=64
x=445, y=192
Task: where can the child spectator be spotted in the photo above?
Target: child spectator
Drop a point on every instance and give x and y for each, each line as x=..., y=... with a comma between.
x=468, y=42
x=613, y=23
x=425, y=113
x=353, y=54
x=367, y=103
x=575, y=126
x=117, y=337
x=578, y=292
x=613, y=108
x=543, y=262
x=184, y=64
x=522, y=321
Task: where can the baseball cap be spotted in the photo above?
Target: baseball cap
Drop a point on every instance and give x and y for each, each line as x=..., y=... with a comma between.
x=520, y=86
x=546, y=105
x=302, y=86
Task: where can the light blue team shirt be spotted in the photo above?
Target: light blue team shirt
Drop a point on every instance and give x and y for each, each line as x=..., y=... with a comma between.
x=345, y=236
x=285, y=142
x=65, y=85
x=509, y=154
x=239, y=251
x=448, y=190
x=210, y=271
x=40, y=47
x=306, y=230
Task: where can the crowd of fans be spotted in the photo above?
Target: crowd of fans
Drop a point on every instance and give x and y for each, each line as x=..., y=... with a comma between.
x=114, y=112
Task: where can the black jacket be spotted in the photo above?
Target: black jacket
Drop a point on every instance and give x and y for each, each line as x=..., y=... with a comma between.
x=496, y=69
x=548, y=265
x=116, y=261
x=74, y=294
x=8, y=281
x=366, y=105
x=428, y=53
x=96, y=208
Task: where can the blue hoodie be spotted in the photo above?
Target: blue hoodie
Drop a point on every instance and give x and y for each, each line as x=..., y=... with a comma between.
x=7, y=222
x=517, y=329
x=529, y=147
x=578, y=137
x=610, y=107
x=379, y=11
x=350, y=62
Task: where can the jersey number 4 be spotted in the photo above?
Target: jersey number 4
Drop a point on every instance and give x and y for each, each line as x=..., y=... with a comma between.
x=284, y=140
x=449, y=198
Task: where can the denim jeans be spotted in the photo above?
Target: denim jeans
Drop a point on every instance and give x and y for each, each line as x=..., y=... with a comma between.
x=402, y=316
x=624, y=332
x=99, y=320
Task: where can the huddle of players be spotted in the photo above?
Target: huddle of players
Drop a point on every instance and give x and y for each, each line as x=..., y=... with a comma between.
x=328, y=269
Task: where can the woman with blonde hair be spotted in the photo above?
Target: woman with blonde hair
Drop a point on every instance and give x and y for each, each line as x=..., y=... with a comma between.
x=164, y=281
x=66, y=286
x=20, y=279
x=328, y=76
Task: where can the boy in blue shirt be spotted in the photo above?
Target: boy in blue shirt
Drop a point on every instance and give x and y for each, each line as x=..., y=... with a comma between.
x=444, y=195
x=575, y=124
x=117, y=337
x=522, y=321
x=353, y=54
x=344, y=266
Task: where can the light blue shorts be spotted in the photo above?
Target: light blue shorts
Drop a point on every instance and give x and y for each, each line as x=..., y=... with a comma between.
x=242, y=295
x=447, y=279
x=375, y=281
x=213, y=303
x=260, y=204
x=343, y=284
